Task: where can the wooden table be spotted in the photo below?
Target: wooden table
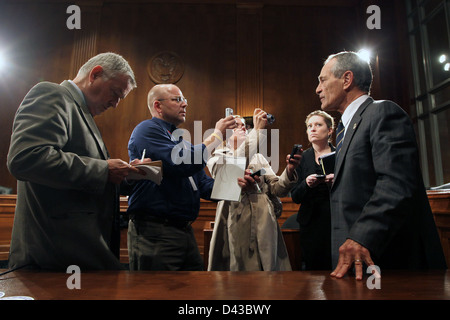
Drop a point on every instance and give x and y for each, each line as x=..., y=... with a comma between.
x=237, y=286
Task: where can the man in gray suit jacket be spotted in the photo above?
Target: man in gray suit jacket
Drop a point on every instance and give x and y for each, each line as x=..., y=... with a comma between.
x=379, y=208
x=67, y=189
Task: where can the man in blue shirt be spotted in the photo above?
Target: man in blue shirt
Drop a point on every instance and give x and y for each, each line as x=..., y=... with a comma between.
x=160, y=236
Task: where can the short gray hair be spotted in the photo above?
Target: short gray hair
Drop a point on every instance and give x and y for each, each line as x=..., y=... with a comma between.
x=351, y=61
x=112, y=64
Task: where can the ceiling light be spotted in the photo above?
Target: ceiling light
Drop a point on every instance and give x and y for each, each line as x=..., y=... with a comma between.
x=365, y=55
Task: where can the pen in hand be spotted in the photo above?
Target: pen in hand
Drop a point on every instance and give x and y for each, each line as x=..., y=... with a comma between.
x=143, y=155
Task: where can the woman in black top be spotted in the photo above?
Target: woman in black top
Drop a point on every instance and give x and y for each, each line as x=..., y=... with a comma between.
x=313, y=194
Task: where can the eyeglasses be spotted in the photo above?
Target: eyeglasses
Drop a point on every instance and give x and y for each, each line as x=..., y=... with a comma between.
x=177, y=99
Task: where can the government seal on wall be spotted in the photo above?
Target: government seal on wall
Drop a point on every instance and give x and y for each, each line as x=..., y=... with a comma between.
x=165, y=67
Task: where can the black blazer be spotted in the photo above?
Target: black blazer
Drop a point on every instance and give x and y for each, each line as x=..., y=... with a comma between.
x=378, y=198
x=311, y=199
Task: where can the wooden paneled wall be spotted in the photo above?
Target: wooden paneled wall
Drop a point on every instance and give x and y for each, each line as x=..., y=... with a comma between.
x=235, y=54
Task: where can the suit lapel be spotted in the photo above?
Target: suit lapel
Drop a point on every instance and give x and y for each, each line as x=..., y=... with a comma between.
x=88, y=119
x=349, y=133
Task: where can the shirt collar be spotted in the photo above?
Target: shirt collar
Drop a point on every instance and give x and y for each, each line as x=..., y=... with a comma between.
x=351, y=109
x=78, y=90
x=166, y=125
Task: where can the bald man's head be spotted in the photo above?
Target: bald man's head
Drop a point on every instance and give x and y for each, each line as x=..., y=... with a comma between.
x=166, y=102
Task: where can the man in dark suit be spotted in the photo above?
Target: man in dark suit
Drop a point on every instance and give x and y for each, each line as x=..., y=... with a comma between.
x=67, y=190
x=379, y=208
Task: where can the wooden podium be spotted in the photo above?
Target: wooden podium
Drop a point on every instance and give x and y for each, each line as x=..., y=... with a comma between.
x=440, y=205
x=439, y=201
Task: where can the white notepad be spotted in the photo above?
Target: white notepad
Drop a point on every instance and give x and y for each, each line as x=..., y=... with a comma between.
x=226, y=186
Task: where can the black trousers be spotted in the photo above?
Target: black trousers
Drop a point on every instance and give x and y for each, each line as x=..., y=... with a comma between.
x=156, y=245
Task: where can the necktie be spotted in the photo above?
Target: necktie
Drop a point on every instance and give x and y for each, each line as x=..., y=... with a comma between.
x=339, y=137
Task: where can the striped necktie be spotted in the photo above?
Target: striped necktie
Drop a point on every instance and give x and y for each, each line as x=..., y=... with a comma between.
x=339, y=137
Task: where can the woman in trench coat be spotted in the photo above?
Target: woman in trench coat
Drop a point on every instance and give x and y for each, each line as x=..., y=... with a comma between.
x=246, y=234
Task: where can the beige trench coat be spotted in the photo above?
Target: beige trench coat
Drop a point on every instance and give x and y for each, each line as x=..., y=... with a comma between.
x=246, y=234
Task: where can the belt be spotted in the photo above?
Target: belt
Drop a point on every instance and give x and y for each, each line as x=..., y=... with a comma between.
x=181, y=224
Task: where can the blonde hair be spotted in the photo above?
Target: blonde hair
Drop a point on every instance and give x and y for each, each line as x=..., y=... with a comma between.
x=241, y=118
x=329, y=120
x=225, y=141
